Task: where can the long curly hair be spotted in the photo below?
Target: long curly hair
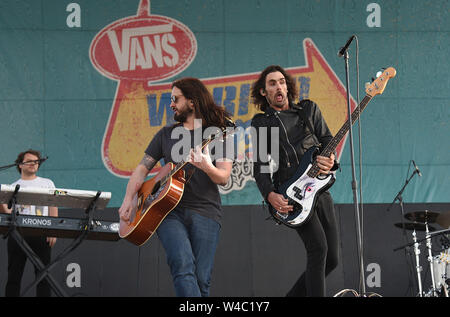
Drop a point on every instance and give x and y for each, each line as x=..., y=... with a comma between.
x=261, y=101
x=206, y=109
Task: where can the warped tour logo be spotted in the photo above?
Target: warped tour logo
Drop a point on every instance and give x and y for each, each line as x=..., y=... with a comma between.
x=140, y=50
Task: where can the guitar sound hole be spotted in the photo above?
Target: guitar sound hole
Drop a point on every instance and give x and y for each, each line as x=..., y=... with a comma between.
x=156, y=188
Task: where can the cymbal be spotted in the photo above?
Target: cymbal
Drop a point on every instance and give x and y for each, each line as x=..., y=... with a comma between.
x=425, y=216
x=444, y=219
x=414, y=226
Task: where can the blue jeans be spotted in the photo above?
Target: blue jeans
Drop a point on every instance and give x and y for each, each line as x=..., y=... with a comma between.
x=190, y=242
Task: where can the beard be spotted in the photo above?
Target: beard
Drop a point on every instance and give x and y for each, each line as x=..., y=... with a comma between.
x=181, y=116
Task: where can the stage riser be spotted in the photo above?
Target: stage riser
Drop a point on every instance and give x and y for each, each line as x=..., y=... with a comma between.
x=255, y=257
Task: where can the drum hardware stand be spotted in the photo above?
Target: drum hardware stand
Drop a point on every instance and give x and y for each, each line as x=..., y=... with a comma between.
x=399, y=198
x=430, y=259
x=417, y=252
x=418, y=267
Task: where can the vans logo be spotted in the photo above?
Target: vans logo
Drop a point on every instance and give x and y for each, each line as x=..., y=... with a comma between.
x=143, y=47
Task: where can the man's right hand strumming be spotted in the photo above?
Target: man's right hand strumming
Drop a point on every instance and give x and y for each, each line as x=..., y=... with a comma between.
x=134, y=184
x=125, y=210
x=279, y=202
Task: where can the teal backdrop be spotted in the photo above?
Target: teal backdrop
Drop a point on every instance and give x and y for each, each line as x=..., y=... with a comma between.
x=54, y=100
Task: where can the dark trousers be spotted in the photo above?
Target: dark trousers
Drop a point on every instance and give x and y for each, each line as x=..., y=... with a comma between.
x=16, y=265
x=321, y=239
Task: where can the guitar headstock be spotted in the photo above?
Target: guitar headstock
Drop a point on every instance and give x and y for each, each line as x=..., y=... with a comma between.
x=378, y=85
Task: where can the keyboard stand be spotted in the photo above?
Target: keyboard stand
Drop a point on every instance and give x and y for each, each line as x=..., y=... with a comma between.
x=37, y=263
x=44, y=270
x=27, y=249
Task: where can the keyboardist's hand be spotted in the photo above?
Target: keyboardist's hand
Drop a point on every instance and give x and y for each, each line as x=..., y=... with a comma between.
x=51, y=241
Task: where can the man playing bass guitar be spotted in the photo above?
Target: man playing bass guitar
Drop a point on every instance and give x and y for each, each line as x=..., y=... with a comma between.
x=300, y=127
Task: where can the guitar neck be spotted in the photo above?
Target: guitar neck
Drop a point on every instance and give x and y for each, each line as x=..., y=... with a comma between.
x=181, y=164
x=332, y=145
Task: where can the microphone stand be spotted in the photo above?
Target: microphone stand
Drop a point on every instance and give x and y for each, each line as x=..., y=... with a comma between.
x=7, y=166
x=39, y=161
x=399, y=197
x=362, y=286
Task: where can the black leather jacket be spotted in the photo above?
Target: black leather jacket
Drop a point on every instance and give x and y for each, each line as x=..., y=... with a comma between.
x=295, y=138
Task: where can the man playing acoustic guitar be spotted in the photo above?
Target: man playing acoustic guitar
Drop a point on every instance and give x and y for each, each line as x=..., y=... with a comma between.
x=190, y=232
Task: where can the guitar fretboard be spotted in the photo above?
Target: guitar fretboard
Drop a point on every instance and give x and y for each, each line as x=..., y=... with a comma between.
x=331, y=147
x=182, y=163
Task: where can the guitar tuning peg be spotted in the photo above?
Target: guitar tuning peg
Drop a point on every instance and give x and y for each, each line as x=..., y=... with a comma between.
x=383, y=68
x=373, y=79
x=367, y=85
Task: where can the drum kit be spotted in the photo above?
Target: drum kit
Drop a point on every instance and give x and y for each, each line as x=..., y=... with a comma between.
x=439, y=263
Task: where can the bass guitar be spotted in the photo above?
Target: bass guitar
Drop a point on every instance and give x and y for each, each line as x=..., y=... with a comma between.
x=157, y=197
x=303, y=188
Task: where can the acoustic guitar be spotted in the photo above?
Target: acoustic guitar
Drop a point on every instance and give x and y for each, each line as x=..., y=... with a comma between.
x=157, y=197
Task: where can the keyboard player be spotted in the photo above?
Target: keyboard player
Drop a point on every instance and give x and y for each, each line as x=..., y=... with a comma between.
x=28, y=163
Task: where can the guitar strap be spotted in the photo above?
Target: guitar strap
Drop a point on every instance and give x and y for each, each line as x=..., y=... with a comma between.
x=189, y=174
x=302, y=114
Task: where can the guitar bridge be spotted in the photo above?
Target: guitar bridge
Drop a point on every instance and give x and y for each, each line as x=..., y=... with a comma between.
x=151, y=197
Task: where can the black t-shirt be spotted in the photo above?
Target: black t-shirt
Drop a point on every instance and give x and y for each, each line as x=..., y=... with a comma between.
x=201, y=194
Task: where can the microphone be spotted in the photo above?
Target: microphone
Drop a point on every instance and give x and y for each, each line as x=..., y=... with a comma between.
x=344, y=49
x=416, y=168
x=42, y=160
